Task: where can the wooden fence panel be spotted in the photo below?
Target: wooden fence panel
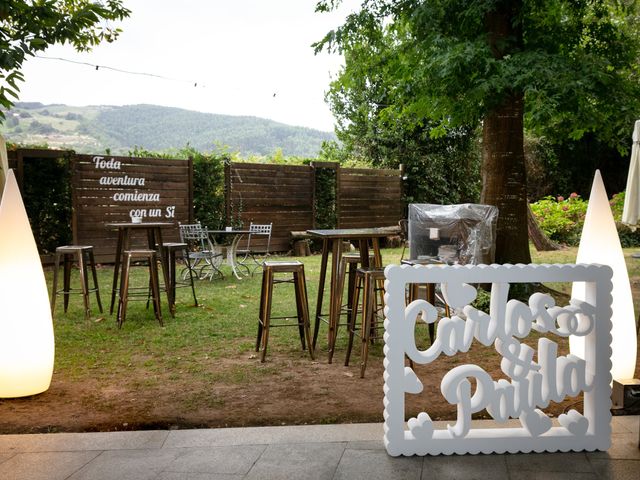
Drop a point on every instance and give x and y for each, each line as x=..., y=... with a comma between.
x=111, y=189
x=278, y=194
x=368, y=197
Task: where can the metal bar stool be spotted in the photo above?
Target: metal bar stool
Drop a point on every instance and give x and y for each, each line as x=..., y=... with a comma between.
x=269, y=269
x=349, y=263
x=370, y=281
x=83, y=254
x=170, y=249
x=152, y=259
x=348, y=268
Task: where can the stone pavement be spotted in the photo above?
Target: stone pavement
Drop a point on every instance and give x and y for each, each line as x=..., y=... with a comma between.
x=298, y=452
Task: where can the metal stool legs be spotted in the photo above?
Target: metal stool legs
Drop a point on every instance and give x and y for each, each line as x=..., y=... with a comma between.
x=366, y=281
x=269, y=269
x=151, y=257
x=170, y=250
x=84, y=256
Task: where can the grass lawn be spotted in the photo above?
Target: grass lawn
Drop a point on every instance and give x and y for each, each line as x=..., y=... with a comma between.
x=201, y=369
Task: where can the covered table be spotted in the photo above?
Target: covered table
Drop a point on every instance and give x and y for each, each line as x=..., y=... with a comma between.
x=454, y=234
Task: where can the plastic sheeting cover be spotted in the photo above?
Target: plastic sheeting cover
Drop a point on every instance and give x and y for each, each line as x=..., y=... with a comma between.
x=462, y=234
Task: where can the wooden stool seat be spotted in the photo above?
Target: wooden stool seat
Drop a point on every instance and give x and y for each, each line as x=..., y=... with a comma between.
x=83, y=254
x=290, y=266
x=269, y=269
x=369, y=281
x=126, y=292
x=170, y=249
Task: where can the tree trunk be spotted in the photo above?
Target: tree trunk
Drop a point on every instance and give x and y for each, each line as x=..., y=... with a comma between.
x=504, y=177
x=537, y=236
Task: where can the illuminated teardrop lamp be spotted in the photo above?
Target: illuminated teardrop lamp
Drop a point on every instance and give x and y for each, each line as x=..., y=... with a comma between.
x=600, y=244
x=26, y=327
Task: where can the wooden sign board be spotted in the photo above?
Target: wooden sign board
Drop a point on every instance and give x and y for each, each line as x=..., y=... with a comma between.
x=115, y=189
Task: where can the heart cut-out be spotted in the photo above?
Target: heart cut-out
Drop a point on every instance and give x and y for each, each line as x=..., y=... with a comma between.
x=458, y=295
x=576, y=423
x=421, y=427
x=536, y=422
x=412, y=383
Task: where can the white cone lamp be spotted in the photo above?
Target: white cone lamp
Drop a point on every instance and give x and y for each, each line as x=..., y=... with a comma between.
x=600, y=244
x=26, y=327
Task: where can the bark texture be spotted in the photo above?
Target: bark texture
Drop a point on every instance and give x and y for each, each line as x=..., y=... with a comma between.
x=504, y=177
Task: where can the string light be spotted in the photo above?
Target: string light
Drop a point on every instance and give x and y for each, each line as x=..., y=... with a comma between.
x=120, y=70
x=194, y=83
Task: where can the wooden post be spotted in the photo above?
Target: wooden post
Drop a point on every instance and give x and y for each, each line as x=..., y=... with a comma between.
x=405, y=205
x=20, y=171
x=312, y=166
x=227, y=192
x=338, y=195
x=191, y=210
x=74, y=197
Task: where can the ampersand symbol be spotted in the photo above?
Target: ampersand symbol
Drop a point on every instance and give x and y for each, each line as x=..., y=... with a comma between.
x=517, y=359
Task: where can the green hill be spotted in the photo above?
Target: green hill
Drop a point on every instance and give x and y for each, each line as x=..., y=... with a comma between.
x=93, y=129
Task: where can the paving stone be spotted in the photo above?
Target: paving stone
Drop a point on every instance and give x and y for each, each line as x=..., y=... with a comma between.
x=525, y=475
x=625, y=424
x=127, y=464
x=310, y=461
x=236, y=459
x=467, y=467
x=69, y=442
x=548, y=462
x=274, y=435
x=197, y=476
x=616, y=469
x=624, y=446
x=44, y=465
x=377, y=465
x=338, y=452
x=367, y=445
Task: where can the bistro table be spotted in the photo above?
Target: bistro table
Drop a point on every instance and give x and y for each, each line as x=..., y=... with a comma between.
x=154, y=238
x=332, y=241
x=232, y=248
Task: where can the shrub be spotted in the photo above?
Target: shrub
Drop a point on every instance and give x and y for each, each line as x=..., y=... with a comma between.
x=628, y=237
x=208, y=188
x=47, y=198
x=561, y=219
x=325, y=198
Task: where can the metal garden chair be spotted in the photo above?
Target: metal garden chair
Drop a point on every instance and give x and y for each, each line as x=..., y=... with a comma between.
x=205, y=257
x=252, y=258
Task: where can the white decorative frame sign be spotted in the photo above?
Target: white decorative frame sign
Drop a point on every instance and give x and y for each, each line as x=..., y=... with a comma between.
x=532, y=385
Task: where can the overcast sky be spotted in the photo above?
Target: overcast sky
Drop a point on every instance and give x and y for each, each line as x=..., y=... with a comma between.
x=248, y=57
